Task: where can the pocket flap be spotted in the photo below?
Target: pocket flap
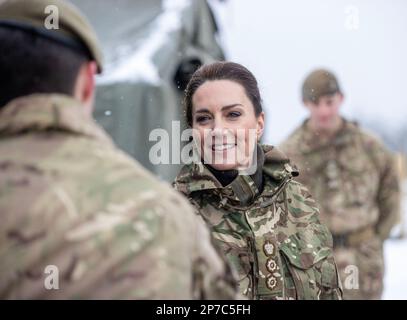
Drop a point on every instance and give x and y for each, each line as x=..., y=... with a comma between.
x=304, y=249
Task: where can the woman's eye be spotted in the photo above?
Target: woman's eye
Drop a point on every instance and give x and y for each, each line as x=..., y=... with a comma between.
x=201, y=119
x=234, y=114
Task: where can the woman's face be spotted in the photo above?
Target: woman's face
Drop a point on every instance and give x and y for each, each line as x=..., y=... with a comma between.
x=226, y=128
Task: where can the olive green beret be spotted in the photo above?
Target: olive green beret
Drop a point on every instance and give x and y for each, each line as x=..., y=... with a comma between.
x=319, y=83
x=35, y=16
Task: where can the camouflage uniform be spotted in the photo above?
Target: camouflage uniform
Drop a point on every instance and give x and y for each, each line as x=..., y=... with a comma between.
x=70, y=198
x=354, y=179
x=275, y=241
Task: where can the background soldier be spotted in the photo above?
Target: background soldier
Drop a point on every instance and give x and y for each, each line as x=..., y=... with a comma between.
x=353, y=177
x=74, y=208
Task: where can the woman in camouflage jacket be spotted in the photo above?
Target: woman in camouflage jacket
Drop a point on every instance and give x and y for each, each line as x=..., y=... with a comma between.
x=265, y=222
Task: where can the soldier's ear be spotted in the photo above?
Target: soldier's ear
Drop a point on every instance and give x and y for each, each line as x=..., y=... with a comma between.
x=85, y=85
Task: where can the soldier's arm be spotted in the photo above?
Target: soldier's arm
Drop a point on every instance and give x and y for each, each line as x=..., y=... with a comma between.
x=185, y=264
x=141, y=253
x=154, y=248
x=213, y=277
x=325, y=271
x=388, y=197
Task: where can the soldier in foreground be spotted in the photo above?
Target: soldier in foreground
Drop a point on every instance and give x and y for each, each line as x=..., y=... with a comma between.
x=353, y=177
x=266, y=223
x=79, y=218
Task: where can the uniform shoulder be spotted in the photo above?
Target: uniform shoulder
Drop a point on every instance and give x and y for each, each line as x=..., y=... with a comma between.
x=292, y=140
x=121, y=179
x=371, y=139
x=277, y=164
x=300, y=199
x=373, y=145
x=183, y=179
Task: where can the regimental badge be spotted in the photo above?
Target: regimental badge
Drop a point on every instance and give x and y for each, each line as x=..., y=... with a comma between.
x=268, y=248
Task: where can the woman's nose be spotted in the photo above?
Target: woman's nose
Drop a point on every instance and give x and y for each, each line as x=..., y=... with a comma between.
x=218, y=124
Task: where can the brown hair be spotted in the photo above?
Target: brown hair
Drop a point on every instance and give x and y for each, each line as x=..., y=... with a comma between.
x=223, y=71
x=33, y=64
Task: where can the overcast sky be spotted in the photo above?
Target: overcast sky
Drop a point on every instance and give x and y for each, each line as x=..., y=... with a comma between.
x=363, y=41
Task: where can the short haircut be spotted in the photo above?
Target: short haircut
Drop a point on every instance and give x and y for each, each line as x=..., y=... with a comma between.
x=32, y=64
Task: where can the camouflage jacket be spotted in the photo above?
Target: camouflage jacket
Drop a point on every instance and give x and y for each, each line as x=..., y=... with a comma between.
x=352, y=175
x=80, y=219
x=276, y=243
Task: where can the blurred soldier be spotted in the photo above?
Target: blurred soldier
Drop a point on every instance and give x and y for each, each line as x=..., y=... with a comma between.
x=353, y=177
x=79, y=218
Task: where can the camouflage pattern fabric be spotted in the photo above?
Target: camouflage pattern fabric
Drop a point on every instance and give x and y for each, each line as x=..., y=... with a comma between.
x=70, y=199
x=276, y=243
x=354, y=178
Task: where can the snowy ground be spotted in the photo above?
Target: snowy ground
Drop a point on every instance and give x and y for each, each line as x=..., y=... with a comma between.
x=396, y=273
x=396, y=263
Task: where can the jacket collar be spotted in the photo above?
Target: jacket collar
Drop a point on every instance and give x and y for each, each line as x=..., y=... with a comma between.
x=243, y=189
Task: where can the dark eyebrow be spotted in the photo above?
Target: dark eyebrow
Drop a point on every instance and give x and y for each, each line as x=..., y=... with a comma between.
x=231, y=106
x=204, y=110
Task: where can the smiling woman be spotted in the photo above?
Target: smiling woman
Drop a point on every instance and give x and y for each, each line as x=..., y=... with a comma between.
x=223, y=106
x=266, y=223
x=225, y=120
